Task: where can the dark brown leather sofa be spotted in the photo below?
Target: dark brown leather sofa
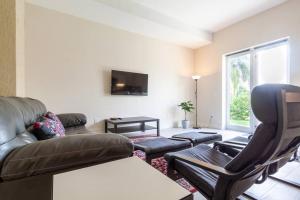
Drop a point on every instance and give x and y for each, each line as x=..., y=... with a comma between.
x=27, y=165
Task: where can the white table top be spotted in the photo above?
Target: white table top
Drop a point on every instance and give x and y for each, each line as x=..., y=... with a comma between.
x=125, y=179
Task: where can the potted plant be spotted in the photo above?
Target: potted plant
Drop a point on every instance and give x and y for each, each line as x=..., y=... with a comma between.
x=186, y=106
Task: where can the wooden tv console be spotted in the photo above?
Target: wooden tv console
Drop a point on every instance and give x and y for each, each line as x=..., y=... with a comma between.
x=131, y=120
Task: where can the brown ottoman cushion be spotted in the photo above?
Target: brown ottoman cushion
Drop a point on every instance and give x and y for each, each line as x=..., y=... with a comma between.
x=198, y=137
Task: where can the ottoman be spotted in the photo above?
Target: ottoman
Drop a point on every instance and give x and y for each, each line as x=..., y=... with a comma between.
x=199, y=137
x=157, y=147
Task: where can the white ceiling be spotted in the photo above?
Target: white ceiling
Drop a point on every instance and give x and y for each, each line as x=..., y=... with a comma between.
x=188, y=23
x=210, y=15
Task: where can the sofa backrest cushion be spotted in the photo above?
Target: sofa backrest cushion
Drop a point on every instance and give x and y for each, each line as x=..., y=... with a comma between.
x=31, y=109
x=16, y=114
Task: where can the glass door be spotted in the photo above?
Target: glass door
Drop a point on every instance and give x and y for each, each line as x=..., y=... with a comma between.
x=256, y=66
x=238, y=91
x=271, y=65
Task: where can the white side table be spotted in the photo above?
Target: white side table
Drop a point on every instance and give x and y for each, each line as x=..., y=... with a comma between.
x=126, y=179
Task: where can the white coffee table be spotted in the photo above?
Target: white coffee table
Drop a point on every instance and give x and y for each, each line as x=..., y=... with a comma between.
x=126, y=179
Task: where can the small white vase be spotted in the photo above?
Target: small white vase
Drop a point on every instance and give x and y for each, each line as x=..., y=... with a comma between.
x=185, y=124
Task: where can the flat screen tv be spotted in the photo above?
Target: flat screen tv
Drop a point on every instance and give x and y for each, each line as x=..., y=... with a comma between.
x=128, y=83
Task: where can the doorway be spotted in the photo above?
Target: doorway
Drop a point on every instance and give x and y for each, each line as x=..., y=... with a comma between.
x=264, y=64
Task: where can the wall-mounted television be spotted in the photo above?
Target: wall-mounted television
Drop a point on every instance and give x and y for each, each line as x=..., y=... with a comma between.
x=129, y=83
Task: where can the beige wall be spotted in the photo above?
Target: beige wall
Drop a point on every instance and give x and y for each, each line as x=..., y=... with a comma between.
x=20, y=47
x=68, y=64
x=7, y=48
x=12, y=68
x=279, y=22
x=68, y=61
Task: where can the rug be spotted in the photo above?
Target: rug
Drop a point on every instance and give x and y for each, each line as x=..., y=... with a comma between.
x=161, y=165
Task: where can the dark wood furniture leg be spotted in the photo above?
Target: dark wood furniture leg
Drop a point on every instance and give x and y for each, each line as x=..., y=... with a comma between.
x=143, y=126
x=148, y=159
x=115, y=128
x=158, y=128
x=106, y=130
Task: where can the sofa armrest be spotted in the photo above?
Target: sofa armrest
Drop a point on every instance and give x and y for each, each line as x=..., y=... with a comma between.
x=62, y=154
x=72, y=119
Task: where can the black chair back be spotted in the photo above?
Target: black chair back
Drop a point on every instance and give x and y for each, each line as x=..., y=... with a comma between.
x=275, y=140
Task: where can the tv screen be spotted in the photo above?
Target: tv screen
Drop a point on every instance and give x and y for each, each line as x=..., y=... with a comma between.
x=128, y=83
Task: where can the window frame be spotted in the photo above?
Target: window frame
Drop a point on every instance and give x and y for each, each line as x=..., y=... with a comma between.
x=253, y=79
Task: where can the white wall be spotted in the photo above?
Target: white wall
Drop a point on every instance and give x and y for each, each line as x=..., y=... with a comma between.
x=279, y=22
x=68, y=64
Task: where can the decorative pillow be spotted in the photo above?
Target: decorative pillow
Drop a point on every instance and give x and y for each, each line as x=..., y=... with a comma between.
x=59, y=126
x=48, y=126
x=46, y=129
x=52, y=116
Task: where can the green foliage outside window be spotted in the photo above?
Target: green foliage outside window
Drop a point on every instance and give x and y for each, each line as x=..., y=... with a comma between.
x=240, y=94
x=239, y=108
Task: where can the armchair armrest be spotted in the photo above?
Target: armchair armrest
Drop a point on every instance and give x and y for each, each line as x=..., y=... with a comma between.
x=243, y=144
x=72, y=119
x=205, y=165
x=229, y=150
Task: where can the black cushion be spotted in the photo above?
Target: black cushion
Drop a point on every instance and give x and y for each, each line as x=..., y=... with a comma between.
x=256, y=149
x=160, y=144
x=198, y=137
x=200, y=178
x=62, y=153
x=72, y=119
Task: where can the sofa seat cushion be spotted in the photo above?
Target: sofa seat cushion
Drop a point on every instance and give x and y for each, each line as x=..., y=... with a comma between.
x=78, y=130
x=57, y=154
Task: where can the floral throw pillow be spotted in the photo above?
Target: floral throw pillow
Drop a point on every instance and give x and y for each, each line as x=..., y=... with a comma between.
x=59, y=126
x=48, y=126
x=45, y=129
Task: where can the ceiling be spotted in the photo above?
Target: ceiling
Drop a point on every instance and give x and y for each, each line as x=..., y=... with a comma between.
x=190, y=23
x=210, y=15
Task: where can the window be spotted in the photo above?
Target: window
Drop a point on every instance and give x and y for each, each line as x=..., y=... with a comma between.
x=244, y=70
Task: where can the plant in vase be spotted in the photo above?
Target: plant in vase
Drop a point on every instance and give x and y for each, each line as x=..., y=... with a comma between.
x=187, y=107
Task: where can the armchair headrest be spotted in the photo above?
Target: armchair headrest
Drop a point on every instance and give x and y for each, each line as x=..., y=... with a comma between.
x=264, y=101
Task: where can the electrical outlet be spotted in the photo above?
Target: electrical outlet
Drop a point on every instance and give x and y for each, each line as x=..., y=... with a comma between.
x=210, y=120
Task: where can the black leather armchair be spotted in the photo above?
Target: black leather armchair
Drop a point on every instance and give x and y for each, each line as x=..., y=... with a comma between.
x=27, y=165
x=219, y=176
